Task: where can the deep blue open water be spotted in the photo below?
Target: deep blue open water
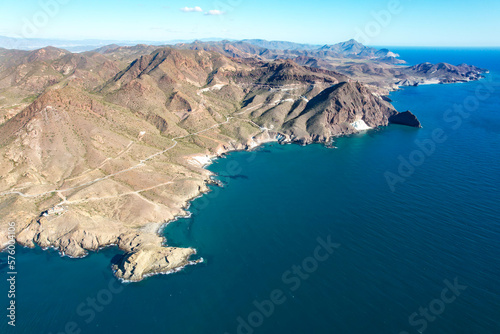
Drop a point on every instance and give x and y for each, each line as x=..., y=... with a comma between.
x=316, y=240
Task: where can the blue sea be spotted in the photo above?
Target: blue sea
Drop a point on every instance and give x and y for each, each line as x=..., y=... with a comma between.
x=397, y=230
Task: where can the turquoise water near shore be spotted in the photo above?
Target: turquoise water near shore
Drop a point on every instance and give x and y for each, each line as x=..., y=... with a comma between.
x=396, y=249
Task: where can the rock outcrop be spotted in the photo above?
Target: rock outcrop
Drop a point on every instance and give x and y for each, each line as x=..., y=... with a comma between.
x=149, y=261
x=405, y=118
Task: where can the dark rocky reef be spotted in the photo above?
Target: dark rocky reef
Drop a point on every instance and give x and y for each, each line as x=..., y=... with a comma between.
x=405, y=118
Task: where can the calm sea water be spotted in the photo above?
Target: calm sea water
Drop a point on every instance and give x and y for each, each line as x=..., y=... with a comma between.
x=422, y=256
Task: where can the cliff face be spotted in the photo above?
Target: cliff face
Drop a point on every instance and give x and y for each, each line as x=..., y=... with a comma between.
x=114, y=149
x=334, y=112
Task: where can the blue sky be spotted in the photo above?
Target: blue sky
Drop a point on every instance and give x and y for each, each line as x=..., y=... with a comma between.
x=374, y=22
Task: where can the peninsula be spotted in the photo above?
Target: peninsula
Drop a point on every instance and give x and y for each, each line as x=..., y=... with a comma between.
x=102, y=148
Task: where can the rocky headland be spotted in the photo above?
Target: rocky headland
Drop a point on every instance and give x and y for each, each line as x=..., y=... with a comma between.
x=102, y=148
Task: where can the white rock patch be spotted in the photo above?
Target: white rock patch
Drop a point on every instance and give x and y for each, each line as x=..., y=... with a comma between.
x=360, y=125
x=214, y=87
x=200, y=160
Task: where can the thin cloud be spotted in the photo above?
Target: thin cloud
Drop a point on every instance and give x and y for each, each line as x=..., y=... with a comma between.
x=191, y=9
x=215, y=12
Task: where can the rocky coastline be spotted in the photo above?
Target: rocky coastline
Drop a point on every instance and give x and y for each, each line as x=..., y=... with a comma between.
x=118, y=147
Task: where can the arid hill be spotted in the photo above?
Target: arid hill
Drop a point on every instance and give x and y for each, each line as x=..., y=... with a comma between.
x=102, y=148
x=381, y=70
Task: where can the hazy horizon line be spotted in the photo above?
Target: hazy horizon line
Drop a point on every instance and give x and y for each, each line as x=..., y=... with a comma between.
x=217, y=39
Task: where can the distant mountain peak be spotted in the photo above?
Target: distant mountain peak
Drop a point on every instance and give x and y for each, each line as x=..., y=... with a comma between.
x=352, y=41
x=46, y=53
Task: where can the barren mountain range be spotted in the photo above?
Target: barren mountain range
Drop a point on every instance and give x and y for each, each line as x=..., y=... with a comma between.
x=103, y=147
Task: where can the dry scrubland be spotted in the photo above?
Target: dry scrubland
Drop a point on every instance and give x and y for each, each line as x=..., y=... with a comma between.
x=102, y=148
